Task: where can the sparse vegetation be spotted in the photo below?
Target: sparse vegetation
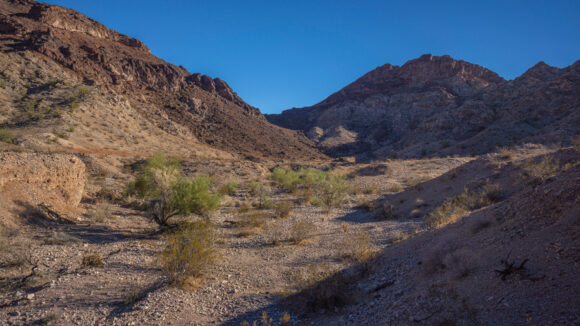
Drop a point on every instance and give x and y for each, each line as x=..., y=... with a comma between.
x=317, y=187
x=356, y=246
x=6, y=136
x=190, y=251
x=283, y=209
x=395, y=187
x=100, y=212
x=387, y=211
x=454, y=208
x=301, y=230
x=252, y=218
x=170, y=194
x=230, y=188
x=276, y=232
x=367, y=205
x=264, y=202
x=538, y=171
x=93, y=260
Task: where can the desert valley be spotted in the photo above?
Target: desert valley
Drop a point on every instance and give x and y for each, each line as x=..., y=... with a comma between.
x=134, y=192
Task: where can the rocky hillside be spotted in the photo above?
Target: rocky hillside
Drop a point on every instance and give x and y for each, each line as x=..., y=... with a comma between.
x=47, y=49
x=440, y=106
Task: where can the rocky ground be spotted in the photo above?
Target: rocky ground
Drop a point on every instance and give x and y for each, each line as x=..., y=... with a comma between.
x=251, y=275
x=50, y=281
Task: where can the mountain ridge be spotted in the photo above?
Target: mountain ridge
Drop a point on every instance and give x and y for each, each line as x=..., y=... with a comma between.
x=204, y=108
x=434, y=105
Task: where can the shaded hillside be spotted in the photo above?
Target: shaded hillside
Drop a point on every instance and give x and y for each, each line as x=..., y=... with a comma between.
x=71, y=46
x=440, y=106
x=461, y=274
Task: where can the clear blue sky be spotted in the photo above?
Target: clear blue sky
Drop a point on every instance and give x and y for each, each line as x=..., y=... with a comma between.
x=282, y=54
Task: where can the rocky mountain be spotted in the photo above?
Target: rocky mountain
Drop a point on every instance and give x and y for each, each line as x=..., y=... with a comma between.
x=440, y=106
x=45, y=49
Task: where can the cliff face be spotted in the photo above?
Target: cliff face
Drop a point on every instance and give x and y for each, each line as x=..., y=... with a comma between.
x=438, y=105
x=115, y=63
x=55, y=180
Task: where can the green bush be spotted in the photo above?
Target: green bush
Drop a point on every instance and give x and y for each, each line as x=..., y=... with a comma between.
x=189, y=252
x=6, y=136
x=286, y=179
x=169, y=193
x=321, y=187
x=334, y=190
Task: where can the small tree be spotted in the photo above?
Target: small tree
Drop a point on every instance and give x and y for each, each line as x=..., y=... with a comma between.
x=169, y=193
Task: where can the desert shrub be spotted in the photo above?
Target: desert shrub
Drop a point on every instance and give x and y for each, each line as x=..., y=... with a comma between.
x=230, y=188
x=398, y=236
x=356, y=246
x=92, y=261
x=255, y=188
x=194, y=196
x=538, y=171
x=283, y=209
x=316, y=201
x=170, y=194
x=371, y=189
x=455, y=207
x=253, y=218
x=305, y=195
x=60, y=133
x=276, y=232
x=100, y=212
x=335, y=188
x=82, y=92
x=387, y=211
x=301, y=230
x=504, y=153
x=135, y=296
x=314, y=186
x=189, y=252
x=395, y=187
x=264, y=202
x=287, y=179
x=6, y=136
x=366, y=205
x=266, y=320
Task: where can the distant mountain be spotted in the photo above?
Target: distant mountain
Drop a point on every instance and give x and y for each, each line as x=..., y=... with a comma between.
x=44, y=41
x=436, y=105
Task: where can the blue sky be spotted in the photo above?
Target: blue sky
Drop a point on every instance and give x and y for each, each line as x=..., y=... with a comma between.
x=282, y=54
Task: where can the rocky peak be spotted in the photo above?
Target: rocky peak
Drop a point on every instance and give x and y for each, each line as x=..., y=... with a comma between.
x=427, y=71
x=541, y=71
x=428, y=67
